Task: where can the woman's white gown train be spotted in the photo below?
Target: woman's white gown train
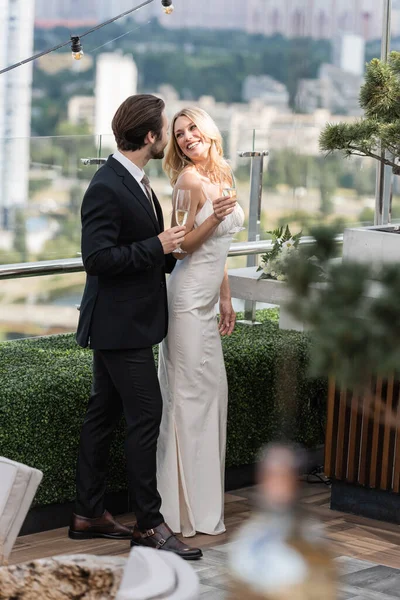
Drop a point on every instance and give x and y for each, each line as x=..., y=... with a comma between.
x=191, y=446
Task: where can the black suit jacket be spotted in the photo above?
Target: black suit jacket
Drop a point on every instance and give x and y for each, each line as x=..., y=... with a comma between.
x=124, y=304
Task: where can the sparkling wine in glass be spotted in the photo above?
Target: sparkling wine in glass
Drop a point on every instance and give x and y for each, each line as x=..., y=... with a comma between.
x=230, y=192
x=182, y=209
x=181, y=216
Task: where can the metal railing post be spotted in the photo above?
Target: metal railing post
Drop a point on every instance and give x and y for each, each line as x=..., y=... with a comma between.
x=384, y=173
x=256, y=180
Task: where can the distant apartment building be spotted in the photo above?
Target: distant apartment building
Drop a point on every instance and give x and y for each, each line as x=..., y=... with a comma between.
x=116, y=79
x=291, y=18
x=267, y=89
x=334, y=90
x=349, y=53
x=337, y=87
x=107, y=9
x=256, y=124
x=315, y=18
x=82, y=111
x=68, y=13
x=16, y=44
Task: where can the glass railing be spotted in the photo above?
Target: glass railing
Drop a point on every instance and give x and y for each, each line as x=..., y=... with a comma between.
x=300, y=187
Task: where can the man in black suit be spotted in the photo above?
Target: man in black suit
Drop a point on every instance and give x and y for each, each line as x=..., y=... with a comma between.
x=126, y=253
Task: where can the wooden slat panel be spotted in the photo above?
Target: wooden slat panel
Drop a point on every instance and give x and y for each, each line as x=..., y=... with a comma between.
x=396, y=466
x=329, y=428
x=340, y=435
x=362, y=473
x=386, y=436
x=375, y=432
x=352, y=472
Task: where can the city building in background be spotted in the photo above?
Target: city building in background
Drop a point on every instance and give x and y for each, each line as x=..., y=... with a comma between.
x=82, y=111
x=68, y=13
x=267, y=89
x=334, y=90
x=16, y=43
x=319, y=19
x=276, y=128
x=315, y=18
x=116, y=79
x=338, y=85
x=349, y=53
x=107, y=9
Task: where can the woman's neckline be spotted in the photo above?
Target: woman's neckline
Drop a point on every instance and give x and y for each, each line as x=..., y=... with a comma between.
x=204, y=178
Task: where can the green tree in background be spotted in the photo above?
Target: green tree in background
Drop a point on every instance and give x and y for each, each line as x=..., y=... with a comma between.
x=19, y=244
x=66, y=242
x=326, y=172
x=195, y=62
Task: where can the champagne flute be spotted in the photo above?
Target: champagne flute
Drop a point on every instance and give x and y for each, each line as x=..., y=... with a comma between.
x=230, y=192
x=182, y=209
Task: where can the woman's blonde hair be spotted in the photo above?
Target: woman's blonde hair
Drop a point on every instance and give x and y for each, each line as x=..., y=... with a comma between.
x=175, y=160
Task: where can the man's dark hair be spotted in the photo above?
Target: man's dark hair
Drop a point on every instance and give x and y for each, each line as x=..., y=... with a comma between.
x=133, y=120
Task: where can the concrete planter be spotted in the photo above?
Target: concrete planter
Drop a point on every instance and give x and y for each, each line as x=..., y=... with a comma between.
x=372, y=245
x=246, y=284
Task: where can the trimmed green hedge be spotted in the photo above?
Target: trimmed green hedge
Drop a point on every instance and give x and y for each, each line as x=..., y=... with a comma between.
x=45, y=384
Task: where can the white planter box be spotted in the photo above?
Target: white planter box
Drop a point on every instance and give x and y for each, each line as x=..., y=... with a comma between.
x=246, y=285
x=371, y=246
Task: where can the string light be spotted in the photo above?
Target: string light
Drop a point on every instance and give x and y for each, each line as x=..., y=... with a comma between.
x=78, y=53
x=76, y=47
x=168, y=6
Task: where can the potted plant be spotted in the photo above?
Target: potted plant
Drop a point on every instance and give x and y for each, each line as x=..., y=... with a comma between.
x=353, y=313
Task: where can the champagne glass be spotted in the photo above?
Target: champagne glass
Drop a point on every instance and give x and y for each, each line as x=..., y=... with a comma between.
x=230, y=192
x=182, y=209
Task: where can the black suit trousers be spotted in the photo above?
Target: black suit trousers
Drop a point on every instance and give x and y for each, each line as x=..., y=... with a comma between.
x=124, y=381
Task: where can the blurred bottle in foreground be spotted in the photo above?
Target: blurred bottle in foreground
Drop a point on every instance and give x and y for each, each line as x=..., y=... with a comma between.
x=280, y=553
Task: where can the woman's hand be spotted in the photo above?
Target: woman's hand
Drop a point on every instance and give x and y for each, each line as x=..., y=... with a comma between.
x=223, y=207
x=227, y=317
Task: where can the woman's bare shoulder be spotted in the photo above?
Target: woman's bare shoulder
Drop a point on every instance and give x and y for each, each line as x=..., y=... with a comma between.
x=189, y=178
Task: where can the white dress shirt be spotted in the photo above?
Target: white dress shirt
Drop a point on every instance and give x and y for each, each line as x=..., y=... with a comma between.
x=136, y=172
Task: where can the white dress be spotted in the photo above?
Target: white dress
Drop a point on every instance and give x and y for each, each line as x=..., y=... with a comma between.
x=191, y=446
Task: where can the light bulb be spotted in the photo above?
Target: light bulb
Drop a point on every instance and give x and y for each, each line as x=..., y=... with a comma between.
x=168, y=7
x=76, y=47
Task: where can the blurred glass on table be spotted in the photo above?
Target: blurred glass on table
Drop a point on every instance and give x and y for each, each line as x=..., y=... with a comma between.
x=280, y=553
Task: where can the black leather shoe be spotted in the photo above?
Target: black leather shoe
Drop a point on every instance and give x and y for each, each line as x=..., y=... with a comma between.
x=106, y=526
x=162, y=538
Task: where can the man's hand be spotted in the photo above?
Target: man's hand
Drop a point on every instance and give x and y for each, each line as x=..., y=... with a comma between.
x=223, y=207
x=172, y=238
x=227, y=317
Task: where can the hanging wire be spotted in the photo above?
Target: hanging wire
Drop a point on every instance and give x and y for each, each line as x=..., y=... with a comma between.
x=118, y=37
x=62, y=45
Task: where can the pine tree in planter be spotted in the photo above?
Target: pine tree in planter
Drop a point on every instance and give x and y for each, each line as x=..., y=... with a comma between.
x=353, y=313
x=380, y=127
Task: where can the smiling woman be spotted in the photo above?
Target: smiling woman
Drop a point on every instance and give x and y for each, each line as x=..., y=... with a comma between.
x=191, y=448
x=196, y=141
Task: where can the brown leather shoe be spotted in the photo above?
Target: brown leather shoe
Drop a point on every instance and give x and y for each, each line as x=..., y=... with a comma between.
x=106, y=526
x=162, y=538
